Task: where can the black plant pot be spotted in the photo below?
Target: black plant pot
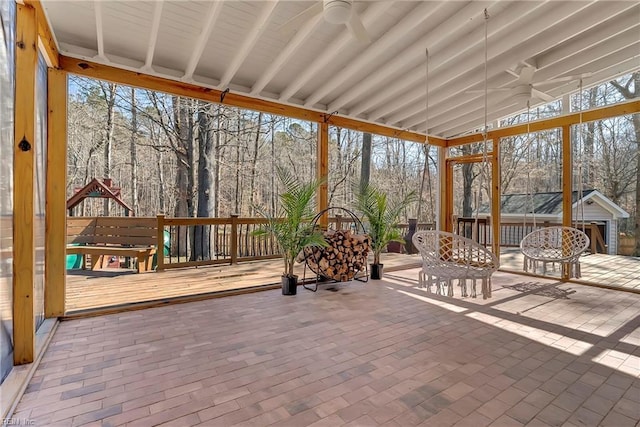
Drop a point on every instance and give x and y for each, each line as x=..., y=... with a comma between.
x=289, y=285
x=376, y=271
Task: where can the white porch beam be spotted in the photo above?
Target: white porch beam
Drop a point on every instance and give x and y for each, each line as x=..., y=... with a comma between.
x=473, y=111
x=458, y=22
x=153, y=36
x=610, y=28
x=453, y=128
x=618, y=63
x=567, y=67
x=461, y=47
x=601, y=50
x=370, y=15
x=249, y=43
x=399, y=31
x=97, y=8
x=620, y=57
x=198, y=47
x=556, y=32
x=290, y=49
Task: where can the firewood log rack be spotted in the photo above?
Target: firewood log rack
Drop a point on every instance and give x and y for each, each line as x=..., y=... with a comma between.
x=313, y=255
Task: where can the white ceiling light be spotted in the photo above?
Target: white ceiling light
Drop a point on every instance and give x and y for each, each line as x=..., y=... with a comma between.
x=337, y=11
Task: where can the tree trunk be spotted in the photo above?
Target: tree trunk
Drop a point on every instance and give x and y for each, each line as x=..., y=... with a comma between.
x=236, y=205
x=110, y=98
x=206, y=195
x=134, y=154
x=161, y=186
x=274, y=190
x=365, y=168
x=628, y=94
x=184, y=167
x=254, y=162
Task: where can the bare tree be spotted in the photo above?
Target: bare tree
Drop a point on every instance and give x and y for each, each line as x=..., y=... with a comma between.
x=629, y=93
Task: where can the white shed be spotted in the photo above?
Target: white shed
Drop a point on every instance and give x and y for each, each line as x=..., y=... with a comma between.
x=593, y=207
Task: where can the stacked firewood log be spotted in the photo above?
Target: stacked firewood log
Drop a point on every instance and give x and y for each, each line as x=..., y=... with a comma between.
x=345, y=255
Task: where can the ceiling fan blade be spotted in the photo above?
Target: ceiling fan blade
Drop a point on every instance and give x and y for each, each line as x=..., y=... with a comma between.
x=541, y=95
x=489, y=90
x=297, y=21
x=575, y=77
x=356, y=27
x=526, y=75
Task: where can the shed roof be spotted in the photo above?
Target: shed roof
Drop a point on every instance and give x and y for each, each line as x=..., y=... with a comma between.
x=550, y=203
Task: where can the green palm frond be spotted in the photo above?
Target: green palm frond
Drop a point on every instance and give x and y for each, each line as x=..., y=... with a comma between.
x=381, y=215
x=291, y=226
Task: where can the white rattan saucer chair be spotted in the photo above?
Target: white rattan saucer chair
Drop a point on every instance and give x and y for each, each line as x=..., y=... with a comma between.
x=549, y=246
x=447, y=257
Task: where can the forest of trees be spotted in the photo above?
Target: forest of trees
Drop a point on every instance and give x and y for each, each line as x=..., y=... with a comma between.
x=187, y=158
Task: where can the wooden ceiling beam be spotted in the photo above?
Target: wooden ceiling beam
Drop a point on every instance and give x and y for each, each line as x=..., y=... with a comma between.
x=180, y=88
x=622, y=109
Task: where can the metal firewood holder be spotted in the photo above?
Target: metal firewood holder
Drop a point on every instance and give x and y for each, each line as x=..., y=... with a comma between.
x=352, y=222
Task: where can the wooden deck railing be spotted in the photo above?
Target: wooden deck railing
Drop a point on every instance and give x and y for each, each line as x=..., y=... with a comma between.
x=192, y=242
x=195, y=242
x=512, y=233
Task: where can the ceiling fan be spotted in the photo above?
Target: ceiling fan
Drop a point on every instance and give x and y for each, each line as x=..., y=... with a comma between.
x=524, y=90
x=334, y=12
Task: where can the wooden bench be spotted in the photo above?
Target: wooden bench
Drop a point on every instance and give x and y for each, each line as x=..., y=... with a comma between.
x=101, y=237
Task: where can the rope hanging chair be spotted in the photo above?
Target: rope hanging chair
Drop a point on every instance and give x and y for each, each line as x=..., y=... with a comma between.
x=556, y=245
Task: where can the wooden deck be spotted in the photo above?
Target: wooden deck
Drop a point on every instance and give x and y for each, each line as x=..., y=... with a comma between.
x=89, y=290
x=615, y=271
x=111, y=287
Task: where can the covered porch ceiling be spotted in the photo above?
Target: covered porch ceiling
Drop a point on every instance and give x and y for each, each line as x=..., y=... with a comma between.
x=243, y=46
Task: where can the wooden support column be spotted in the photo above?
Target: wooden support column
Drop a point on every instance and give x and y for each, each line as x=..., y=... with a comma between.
x=444, y=182
x=495, y=198
x=160, y=244
x=567, y=185
x=322, y=165
x=567, y=176
x=56, y=211
x=23, y=197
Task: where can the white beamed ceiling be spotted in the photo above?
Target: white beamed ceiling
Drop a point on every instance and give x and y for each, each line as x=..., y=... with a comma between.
x=322, y=67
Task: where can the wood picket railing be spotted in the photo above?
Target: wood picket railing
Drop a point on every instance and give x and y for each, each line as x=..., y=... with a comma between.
x=193, y=242
x=512, y=233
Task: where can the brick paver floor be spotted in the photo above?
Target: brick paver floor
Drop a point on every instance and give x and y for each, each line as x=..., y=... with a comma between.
x=378, y=354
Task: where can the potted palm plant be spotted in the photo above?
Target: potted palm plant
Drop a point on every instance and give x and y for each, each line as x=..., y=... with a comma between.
x=291, y=226
x=381, y=216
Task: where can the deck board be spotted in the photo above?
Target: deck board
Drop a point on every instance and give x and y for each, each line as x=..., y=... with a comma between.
x=88, y=290
x=113, y=287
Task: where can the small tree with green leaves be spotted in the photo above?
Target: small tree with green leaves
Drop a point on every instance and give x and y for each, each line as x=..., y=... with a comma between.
x=381, y=216
x=292, y=225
